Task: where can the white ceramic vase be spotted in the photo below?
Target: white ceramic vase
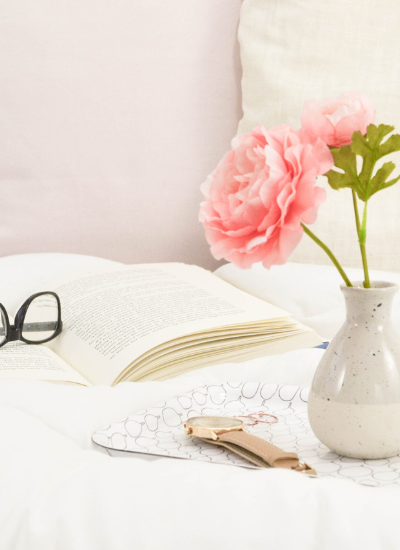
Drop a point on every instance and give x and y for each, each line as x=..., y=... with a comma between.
x=354, y=402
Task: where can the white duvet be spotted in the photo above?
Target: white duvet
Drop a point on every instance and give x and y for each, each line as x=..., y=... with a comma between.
x=58, y=490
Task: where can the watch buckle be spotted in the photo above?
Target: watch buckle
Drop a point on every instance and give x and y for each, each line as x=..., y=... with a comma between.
x=306, y=469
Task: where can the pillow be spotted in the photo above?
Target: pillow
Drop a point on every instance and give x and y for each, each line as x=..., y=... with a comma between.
x=311, y=293
x=112, y=114
x=295, y=50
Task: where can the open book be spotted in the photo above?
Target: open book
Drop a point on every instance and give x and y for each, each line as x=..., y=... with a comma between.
x=151, y=322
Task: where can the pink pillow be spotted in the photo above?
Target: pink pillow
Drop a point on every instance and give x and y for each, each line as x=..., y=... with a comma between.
x=112, y=114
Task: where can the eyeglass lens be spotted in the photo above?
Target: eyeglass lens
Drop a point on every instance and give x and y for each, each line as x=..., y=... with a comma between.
x=41, y=319
x=3, y=327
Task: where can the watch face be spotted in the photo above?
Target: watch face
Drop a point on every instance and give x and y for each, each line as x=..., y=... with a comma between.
x=215, y=422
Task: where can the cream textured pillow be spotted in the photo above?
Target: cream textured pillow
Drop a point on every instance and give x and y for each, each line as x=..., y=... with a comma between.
x=294, y=50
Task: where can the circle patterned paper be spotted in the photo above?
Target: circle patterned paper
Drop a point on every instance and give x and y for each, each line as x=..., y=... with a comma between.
x=158, y=431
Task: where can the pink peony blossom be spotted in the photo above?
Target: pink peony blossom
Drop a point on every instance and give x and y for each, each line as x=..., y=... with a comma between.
x=260, y=192
x=335, y=120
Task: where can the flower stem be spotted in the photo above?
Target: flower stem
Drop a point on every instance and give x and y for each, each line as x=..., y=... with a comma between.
x=329, y=252
x=358, y=224
x=362, y=238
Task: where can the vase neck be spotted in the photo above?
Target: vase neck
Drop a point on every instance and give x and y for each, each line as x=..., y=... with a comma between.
x=372, y=303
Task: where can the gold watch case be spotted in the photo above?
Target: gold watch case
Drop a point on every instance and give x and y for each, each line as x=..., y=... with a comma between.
x=210, y=427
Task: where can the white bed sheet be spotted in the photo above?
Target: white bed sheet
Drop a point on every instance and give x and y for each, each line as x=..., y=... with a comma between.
x=59, y=490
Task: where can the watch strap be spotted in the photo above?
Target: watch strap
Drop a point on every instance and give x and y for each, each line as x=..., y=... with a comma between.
x=257, y=451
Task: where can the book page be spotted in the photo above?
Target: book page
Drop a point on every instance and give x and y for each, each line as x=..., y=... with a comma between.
x=114, y=316
x=19, y=360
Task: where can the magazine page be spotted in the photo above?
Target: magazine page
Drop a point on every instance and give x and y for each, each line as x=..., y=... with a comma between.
x=114, y=316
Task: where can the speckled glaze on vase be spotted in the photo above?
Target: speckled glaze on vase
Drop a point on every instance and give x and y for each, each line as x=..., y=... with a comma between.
x=354, y=402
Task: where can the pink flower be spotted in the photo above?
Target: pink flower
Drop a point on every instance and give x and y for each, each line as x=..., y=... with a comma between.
x=335, y=120
x=260, y=192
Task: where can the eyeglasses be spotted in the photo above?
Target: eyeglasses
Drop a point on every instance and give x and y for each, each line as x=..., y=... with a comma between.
x=38, y=320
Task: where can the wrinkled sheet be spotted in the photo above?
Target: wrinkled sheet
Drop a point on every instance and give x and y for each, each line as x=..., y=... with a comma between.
x=58, y=490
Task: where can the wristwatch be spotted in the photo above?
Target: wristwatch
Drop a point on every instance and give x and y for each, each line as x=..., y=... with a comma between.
x=230, y=433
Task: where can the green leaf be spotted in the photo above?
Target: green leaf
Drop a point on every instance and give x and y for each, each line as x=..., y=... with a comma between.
x=345, y=160
x=359, y=144
x=378, y=182
x=391, y=145
x=337, y=180
x=391, y=182
x=375, y=134
x=370, y=148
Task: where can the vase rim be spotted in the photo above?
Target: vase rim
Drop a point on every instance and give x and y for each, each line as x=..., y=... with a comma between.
x=382, y=286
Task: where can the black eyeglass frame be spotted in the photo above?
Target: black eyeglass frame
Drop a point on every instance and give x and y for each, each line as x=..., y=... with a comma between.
x=14, y=332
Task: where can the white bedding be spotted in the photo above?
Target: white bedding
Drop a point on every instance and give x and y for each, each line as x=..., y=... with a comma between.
x=60, y=491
